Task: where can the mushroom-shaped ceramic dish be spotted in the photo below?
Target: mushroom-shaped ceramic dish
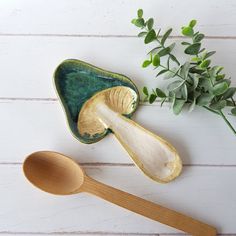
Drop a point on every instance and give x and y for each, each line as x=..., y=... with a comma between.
x=98, y=102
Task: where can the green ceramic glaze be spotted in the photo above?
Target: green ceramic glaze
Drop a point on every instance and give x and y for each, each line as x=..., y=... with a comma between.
x=77, y=81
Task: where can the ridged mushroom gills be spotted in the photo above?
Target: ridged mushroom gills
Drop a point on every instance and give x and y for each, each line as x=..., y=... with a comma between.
x=98, y=102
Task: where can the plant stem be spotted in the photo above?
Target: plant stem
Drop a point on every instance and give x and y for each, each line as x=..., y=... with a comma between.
x=227, y=122
x=211, y=110
x=233, y=102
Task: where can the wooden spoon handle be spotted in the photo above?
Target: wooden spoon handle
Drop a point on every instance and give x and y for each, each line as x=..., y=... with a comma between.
x=148, y=209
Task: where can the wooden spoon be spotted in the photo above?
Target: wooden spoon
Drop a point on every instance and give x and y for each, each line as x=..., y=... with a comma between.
x=57, y=174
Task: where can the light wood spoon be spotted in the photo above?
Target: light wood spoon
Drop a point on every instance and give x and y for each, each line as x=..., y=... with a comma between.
x=58, y=174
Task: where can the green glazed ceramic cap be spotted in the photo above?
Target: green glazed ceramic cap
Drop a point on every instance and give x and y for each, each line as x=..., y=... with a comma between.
x=76, y=82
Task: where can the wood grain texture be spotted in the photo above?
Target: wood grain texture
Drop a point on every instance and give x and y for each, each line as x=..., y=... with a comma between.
x=36, y=211
x=104, y=17
x=28, y=63
x=35, y=125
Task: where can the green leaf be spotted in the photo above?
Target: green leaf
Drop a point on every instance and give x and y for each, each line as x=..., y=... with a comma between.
x=141, y=34
x=218, y=105
x=185, y=43
x=205, y=63
x=145, y=91
x=220, y=77
x=156, y=60
x=151, y=35
x=173, y=58
x=209, y=54
x=187, y=31
x=192, y=23
x=233, y=111
x=184, y=92
x=229, y=93
x=184, y=70
x=175, y=85
x=140, y=13
x=160, y=93
x=204, y=99
x=230, y=103
x=164, y=52
x=220, y=88
x=152, y=98
x=198, y=38
x=193, y=49
x=139, y=22
x=150, y=23
x=154, y=49
x=195, y=80
x=161, y=72
x=178, y=106
x=146, y=63
x=165, y=36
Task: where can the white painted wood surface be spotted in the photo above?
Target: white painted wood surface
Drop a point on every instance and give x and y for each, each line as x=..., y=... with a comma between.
x=37, y=35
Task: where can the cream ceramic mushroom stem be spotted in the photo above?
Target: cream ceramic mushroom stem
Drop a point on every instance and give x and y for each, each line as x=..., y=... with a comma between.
x=155, y=156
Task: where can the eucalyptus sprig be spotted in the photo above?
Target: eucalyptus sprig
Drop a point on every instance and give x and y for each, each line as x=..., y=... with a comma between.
x=194, y=82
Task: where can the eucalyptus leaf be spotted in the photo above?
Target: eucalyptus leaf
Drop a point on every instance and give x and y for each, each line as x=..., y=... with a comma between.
x=162, y=72
x=229, y=93
x=192, y=23
x=175, y=85
x=156, y=60
x=146, y=63
x=145, y=91
x=233, y=111
x=205, y=63
x=164, y=52
x=209, y=54
x=141, y=34
x=151, y=35
x=204, y=99
x=198, y=38
x=140, y=13
x=173, y=58
x=152, y=98
x=150, y=23
x=184, y=70
x=193, y=49
x=195, y=80
x=184, y=92
x=165, y=36
x=178, y=106
x=139, y=22
x=185, y=43
x=218, y=105
x=187, y=31
x=154, y=49
x=220, y=88
x=160, y=93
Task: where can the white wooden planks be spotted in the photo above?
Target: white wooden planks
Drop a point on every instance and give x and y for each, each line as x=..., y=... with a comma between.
x=28, y=63
x=103, y=17
x=200, y=137
x=36, y=211
x=35, y=36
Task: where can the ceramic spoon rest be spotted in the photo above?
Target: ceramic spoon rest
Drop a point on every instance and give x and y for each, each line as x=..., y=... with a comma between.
x=98, y=102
